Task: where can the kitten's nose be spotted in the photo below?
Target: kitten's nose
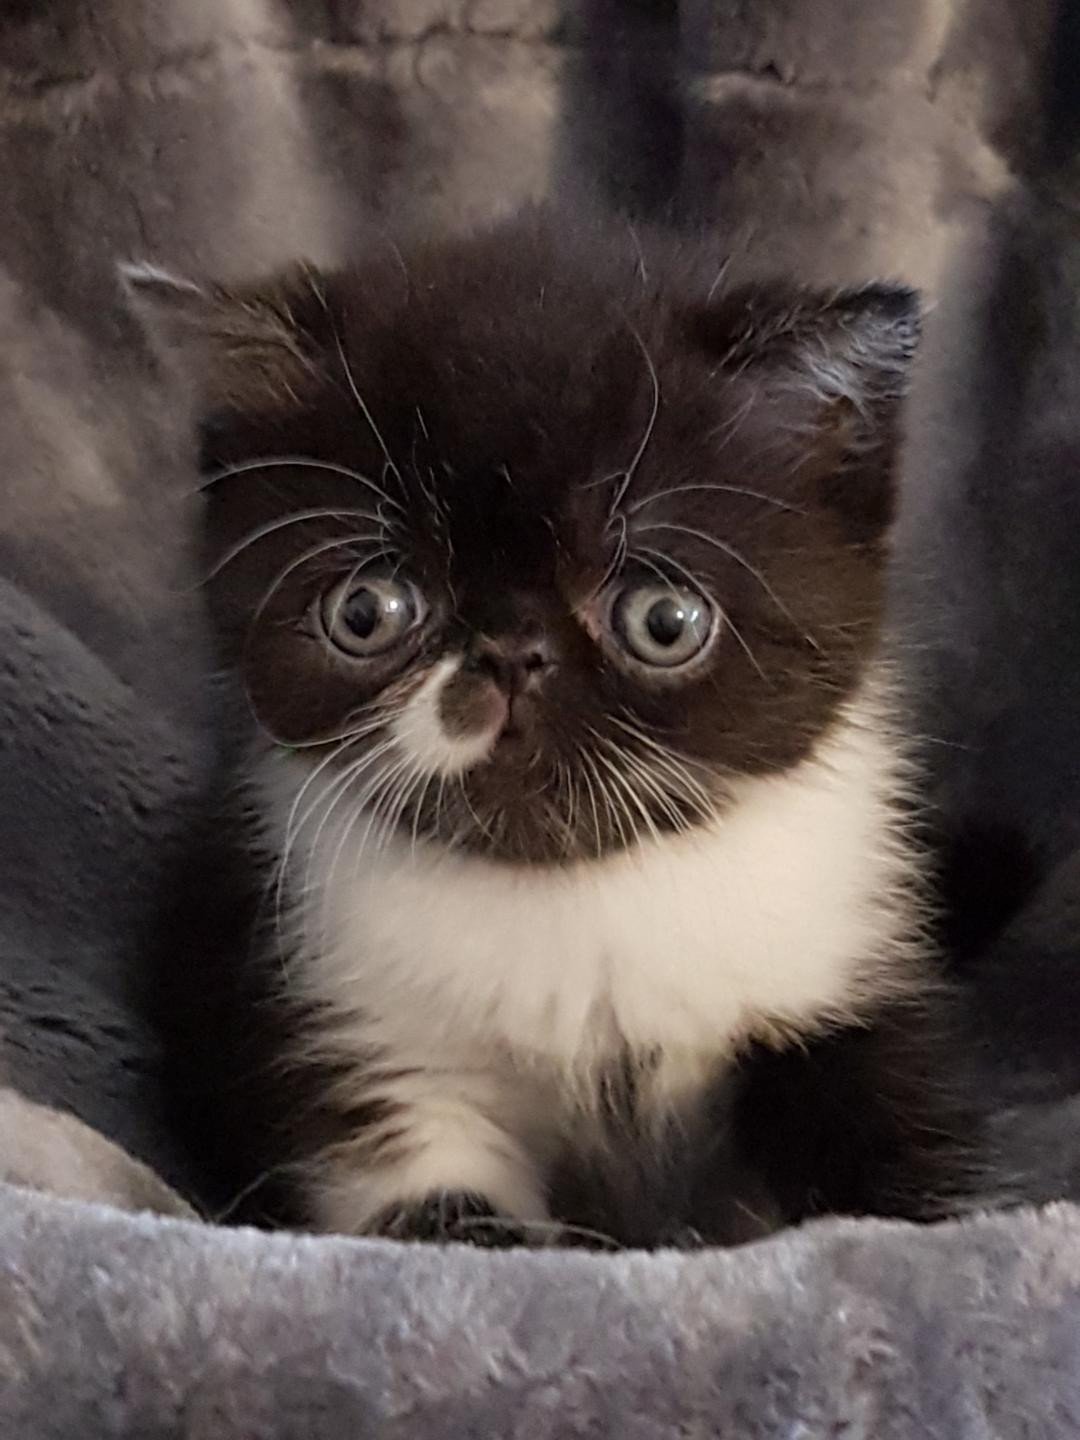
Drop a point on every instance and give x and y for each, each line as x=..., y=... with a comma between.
x=515, y=663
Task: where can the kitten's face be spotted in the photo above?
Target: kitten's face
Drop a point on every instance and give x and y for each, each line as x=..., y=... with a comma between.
x=535, y=547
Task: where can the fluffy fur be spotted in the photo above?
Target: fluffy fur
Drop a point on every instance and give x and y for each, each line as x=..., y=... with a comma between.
x=572, y=928
x=499, y=996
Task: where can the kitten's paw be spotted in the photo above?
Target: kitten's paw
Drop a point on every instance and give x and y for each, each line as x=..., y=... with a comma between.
x=447, y=1216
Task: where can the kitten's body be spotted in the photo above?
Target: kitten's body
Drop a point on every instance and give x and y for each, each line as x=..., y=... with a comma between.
x=509, y=993
x=565, y=929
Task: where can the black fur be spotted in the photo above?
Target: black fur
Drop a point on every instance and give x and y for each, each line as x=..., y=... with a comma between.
x=508, y=383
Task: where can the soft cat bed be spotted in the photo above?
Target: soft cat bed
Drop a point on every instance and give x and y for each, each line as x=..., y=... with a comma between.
x=227, y=135
x=118, y=1327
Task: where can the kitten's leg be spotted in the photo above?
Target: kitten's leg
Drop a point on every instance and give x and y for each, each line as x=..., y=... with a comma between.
x=877, y=1120
x=433, y=1162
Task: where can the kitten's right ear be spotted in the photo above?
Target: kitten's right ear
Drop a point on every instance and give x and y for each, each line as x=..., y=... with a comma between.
x=240, y=349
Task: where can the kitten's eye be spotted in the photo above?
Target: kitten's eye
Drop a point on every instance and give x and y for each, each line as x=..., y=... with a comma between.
x=662, y=625
x=367, y=617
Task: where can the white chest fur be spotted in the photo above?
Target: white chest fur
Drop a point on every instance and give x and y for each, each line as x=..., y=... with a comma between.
x=792, y=909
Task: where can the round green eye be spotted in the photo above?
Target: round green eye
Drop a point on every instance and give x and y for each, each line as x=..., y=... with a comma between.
x=663, y=625
x=366, y=617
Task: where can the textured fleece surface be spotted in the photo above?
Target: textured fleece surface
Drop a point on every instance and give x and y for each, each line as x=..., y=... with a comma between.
x=230, y=135
x=112, y=1326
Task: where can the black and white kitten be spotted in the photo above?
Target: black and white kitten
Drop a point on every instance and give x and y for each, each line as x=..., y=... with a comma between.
x=554, y=571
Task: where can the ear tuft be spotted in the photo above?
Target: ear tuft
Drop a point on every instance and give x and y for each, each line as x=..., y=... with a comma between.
x=836, y=366
x=853, y=345
x=147, y=283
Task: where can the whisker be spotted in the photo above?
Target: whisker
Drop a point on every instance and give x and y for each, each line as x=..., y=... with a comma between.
x=593, y=806
x=320, y=740
x=418, y=808
x=484, y=829
x=720, y=489
x=677, y=763
x=396, y=808
x=552, y=1228
x=565, y=775
x=273, y=526
x=626, y=786
x=640, y=554
x=618, y=558
x=329, y=796
x=354, y=772
x=366, y=807
x=306, y=558
x=731, y=427
x=732, y=554
x=611, y=805
x=628, y=477
x=649, y=783
x=362, y=404
x=740, y=639
x=380, y=800
x=302, y=462
x=440, y=796
x=277, y=881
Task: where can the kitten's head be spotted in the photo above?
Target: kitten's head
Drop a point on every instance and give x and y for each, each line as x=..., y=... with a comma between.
x=541, y=541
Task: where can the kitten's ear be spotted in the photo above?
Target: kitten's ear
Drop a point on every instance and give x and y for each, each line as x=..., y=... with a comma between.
x=240, y=349
x=851, y=345
x=836, y=367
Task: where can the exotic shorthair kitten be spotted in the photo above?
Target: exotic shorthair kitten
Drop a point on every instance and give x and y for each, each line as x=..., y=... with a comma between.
x=588, y=904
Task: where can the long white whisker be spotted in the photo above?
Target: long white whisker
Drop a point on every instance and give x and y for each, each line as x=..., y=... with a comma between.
x=380, y=801
x=366, y=807
x=721, y=489
x=566, y=774
x=301, y=462
x=292, y=830
x=304, y=559
x=732, y=554
x=644, y=550
x=395, y=807
x=614, y=810
x=480, y=825
x=641, y=554
x=273, y=526
x=353, y=772
x=649, y=783
x=592, y=804
x=618, y=556
x=628, y=478
x=418, y=808
x=352, y=733
x=330, y=796
x=678, y=764
x=626, y=786
x=362, y=404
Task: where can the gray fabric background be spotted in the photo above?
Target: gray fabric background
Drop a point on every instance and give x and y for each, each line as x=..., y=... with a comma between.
x=833, y=138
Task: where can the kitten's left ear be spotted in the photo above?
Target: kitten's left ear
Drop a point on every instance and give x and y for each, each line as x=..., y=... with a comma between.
x=241, y=349
x=836, y=367
x=853, y=345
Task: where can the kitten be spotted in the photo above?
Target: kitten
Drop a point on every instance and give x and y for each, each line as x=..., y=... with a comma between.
x=554, y=573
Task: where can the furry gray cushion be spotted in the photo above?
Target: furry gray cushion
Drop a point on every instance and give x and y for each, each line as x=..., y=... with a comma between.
x=112, y=1326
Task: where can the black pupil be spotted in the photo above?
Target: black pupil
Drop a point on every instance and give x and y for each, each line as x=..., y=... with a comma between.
x=362, y=613
x=666, y=621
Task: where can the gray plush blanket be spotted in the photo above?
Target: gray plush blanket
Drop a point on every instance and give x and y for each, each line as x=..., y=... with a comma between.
x=119, y=1327
x=226, y=135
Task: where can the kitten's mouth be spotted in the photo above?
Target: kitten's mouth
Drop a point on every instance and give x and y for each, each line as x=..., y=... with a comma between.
x=506, y=719
x=514, y=727
x=499, y=782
